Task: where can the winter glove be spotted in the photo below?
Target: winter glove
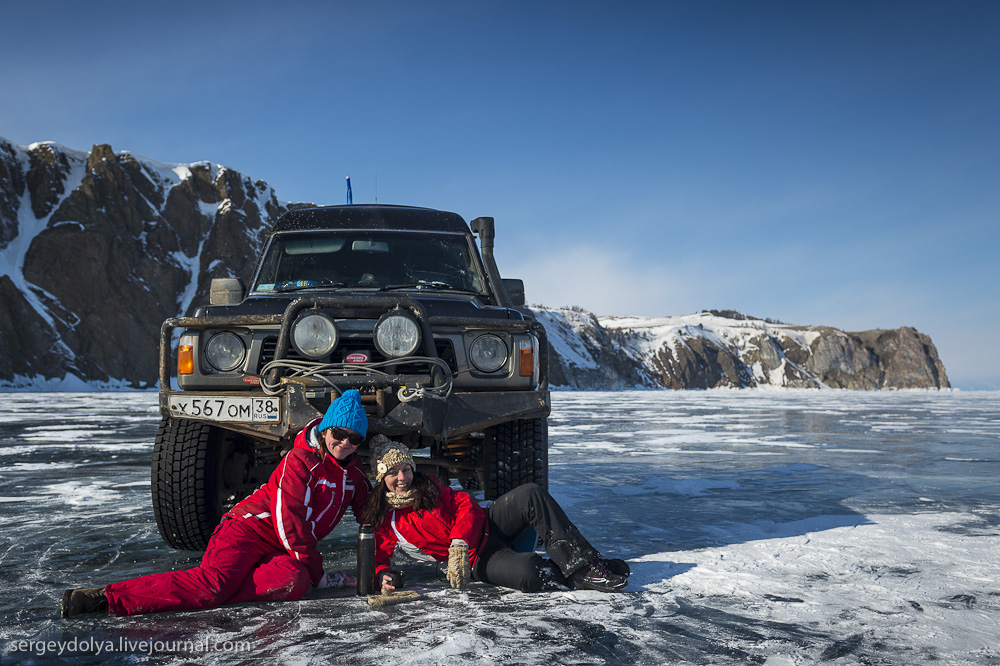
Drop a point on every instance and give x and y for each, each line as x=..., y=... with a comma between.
x=459, y=569
x=390, y=598
x=337, y=579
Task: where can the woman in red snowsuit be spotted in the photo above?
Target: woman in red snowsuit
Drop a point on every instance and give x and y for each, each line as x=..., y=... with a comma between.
x=266, y=547
x=429, y=521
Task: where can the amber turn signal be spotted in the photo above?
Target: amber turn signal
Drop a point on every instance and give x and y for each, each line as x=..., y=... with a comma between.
x=525, y=358
x=185, y=360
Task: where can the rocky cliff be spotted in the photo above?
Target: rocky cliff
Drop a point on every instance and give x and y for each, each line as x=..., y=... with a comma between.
x=97, y=249
x=727, y=349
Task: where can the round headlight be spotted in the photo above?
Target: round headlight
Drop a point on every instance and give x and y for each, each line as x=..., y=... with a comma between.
x=314, y=335
x=224, y=351
x=397, y=334
x=488, y=353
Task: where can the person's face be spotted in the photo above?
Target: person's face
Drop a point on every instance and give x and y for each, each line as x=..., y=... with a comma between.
x=399, y=479
x=341, y=442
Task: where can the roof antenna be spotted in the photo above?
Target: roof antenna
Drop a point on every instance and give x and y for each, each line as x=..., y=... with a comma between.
x=350, y=199
x=376, y=188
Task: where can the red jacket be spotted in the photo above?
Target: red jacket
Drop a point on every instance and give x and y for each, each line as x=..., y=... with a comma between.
x=304, y=499
x=456, y=516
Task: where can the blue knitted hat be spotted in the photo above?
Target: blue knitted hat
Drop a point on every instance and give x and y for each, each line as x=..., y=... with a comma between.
x=346, y=412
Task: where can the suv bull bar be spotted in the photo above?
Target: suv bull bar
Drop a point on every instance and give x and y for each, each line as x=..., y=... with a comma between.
x=464, y=411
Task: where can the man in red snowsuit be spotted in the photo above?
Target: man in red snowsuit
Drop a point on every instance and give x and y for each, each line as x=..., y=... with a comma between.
x=266, y=547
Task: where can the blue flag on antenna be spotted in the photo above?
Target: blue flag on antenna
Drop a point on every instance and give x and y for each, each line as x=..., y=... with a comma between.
x=350, y=199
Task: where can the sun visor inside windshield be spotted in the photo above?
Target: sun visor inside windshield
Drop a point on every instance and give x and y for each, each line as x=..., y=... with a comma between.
x=314, y=245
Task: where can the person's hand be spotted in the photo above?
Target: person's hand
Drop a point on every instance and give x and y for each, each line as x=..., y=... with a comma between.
x=387, y=585
x=459, y=569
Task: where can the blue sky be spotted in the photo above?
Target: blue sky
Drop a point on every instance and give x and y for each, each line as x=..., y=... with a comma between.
x=832, y=163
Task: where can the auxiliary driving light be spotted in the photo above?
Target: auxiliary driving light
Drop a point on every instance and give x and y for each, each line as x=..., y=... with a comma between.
x=314, y=335
x=397, y=334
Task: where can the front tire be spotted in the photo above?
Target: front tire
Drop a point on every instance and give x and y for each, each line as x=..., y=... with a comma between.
x=517, y=452
x=199, y=472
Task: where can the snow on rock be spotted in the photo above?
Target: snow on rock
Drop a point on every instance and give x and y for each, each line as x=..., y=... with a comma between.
x=703, y=346
x=98, y=248
x=584, y=354
x=571, y=334
x=727, y=349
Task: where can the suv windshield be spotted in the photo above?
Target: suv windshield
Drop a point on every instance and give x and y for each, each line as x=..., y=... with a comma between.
x=369, y=259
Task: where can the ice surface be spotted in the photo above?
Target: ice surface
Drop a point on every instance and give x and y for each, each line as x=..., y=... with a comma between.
x=762, y=527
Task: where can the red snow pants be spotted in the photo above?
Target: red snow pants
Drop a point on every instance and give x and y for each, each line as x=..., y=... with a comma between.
x=238, y=566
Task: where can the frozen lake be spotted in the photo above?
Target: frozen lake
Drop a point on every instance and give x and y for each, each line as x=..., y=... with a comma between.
x=762, y=527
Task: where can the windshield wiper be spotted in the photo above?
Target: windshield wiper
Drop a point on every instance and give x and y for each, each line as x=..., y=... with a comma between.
x=285, y=288
x=433, y=284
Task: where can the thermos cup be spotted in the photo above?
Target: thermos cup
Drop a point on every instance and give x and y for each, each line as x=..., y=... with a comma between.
x=397, y=579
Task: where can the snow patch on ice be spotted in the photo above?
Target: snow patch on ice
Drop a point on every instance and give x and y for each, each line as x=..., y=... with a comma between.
x=50, y=445
x=68, y=383
x=34, y=467
x=76, y=493
x=894, y=569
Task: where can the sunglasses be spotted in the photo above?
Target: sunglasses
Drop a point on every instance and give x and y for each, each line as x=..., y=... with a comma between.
x=352, y=438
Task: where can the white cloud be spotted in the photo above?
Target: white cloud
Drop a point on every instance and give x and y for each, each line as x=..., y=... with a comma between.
x=605, y=281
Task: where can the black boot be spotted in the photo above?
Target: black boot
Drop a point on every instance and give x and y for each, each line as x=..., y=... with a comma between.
x=552, y=579
x=618, y=567
x=597, y=576
x=84, y=600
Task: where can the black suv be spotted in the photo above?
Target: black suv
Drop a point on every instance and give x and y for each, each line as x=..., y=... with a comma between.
x=393, y=301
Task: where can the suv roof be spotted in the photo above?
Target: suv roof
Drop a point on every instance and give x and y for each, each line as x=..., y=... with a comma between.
x=371, y=217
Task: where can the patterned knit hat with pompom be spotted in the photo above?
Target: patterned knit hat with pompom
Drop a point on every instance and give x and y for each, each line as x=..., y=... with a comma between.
x=386, y=454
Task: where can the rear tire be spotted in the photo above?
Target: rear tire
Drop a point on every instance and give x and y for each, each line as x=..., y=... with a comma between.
x=517, y=452
x=198, y=473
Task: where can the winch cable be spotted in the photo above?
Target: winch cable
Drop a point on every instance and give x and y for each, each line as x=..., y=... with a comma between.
x=324, y=372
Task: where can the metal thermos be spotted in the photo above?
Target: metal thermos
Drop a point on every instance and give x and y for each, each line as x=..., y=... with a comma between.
x=366, y=560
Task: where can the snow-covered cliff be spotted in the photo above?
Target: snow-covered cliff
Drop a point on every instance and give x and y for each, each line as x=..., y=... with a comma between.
x=98, y=248
x=709, y=350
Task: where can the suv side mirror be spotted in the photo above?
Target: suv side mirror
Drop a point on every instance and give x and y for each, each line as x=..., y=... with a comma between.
x=226, y=291
x=515, y=290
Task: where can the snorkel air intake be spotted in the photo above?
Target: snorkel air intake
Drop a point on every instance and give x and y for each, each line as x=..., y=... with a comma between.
x=483, y=227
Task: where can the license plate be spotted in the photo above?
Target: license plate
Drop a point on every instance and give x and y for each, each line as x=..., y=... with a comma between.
x=217, y=408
